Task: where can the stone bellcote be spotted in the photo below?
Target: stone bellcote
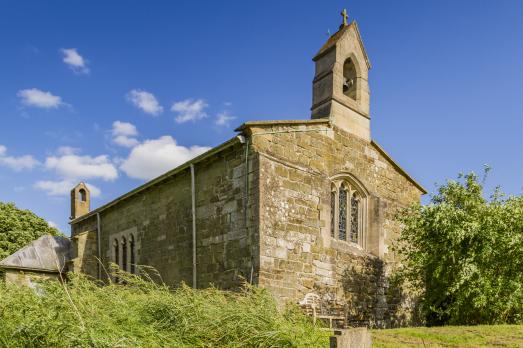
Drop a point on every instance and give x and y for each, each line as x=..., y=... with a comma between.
x=80, y=200
x=341, y=86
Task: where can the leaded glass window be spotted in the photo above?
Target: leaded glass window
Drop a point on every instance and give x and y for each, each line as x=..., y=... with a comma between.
x=354, y=218
x=333, y=213
x=348, y=211
x=342, y=214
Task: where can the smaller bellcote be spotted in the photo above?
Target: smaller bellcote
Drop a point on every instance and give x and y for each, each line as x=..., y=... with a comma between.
x=340, y=86
x=80, y=200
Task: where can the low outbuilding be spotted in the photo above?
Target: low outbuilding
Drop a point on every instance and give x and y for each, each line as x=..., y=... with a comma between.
x=42, y=259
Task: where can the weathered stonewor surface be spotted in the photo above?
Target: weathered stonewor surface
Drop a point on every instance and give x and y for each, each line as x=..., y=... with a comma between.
x=298, y=255
x=84, y=254
x=160, y=220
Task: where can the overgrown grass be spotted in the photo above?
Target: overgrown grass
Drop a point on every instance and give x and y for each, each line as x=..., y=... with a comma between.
x=144, y=314
x=450, y=336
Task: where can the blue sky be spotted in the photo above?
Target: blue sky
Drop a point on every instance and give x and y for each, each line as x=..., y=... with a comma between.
x=180, y=76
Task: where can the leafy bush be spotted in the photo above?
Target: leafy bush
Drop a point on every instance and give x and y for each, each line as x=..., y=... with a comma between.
x=464, y=254
x=141, y=313
x=20, y=227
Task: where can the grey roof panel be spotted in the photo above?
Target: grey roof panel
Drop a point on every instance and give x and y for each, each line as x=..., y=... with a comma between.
x=47, y=253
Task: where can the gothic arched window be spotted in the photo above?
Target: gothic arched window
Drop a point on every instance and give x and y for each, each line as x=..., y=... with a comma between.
x=348, y=215
x=342, y=211
x=132, y=251
x=350, y=79
x=354, y=218
x=124, y=254
x=116, y=252
x=333, y=211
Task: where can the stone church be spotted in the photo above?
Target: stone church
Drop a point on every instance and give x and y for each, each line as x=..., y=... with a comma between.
x=303, y=208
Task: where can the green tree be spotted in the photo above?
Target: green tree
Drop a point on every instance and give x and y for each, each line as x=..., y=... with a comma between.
x=19, y=227
x=463, y=254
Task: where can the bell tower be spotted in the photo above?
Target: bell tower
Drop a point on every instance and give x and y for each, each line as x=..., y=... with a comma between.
x=80, y=201
x=340, y=87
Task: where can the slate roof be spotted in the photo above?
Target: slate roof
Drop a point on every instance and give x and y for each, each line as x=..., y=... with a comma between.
x=46, y=254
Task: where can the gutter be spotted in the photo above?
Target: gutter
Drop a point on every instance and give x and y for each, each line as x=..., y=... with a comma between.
x=98, y=242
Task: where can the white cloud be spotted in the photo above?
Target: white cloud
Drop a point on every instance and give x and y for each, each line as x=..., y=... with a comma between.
x=125, y=141
x=74, y=166
x=124, y=128
x=189, y=110
x=63, y=187
x=52, y=224
x=19, y=163
x=224, y=118
x=123, y=134
x=145, y=101
x=26, y=162
x=75, y=61
x=67, y=150
x=38, y=98
x=157, y=156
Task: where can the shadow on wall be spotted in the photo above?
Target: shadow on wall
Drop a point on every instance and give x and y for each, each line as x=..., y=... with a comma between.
x=374, y=299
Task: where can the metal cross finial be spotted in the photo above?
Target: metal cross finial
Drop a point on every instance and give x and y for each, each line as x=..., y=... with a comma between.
x=345, y=17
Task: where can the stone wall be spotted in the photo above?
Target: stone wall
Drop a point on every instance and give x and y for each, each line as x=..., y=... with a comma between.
x=28, y=278
x=298, y=255
x=160, y=218
x=85, y=253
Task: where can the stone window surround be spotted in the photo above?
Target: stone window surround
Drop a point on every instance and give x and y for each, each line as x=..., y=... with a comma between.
x=130, y=236
x=354, y=185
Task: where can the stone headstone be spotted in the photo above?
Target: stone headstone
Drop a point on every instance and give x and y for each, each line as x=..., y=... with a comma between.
x=351, y=338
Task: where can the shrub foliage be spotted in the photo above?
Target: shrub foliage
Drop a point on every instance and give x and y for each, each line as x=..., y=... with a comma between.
x=464, y=254
x=141, y=313
x=20, y=227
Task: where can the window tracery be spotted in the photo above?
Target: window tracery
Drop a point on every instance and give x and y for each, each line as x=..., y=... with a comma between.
x=348, y=204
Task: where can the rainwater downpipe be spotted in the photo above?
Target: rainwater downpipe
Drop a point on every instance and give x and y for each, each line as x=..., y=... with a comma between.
x=98, y=242
x=193, y=204
x=246, y=201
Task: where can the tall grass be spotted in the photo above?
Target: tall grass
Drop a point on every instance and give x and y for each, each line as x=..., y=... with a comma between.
x=141, y=313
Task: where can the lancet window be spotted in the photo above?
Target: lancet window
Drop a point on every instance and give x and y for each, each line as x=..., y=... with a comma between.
x=348, y=202
x=124, y=252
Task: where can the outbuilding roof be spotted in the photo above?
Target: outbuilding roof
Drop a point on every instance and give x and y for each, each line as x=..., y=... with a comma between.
x=46, y=254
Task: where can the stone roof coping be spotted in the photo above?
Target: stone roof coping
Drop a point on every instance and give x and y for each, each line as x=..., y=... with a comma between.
x=280, y=123
x=398, y=167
